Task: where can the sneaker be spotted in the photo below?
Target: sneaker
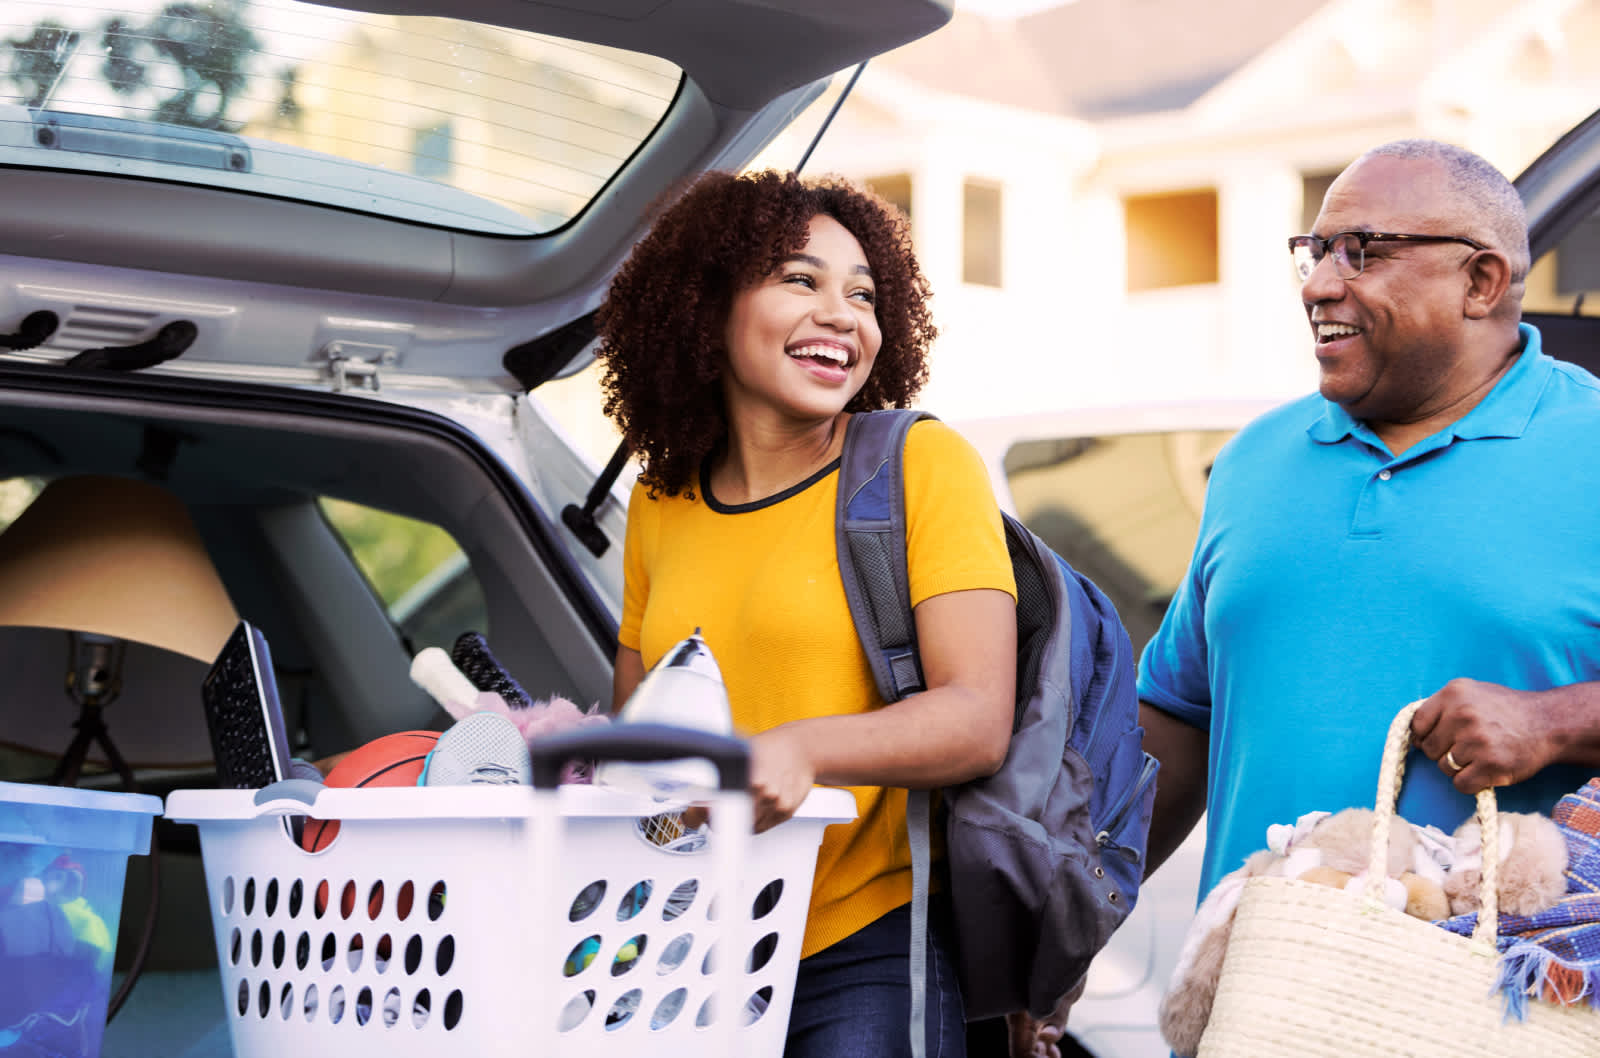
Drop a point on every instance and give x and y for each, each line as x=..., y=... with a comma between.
x=481, y=748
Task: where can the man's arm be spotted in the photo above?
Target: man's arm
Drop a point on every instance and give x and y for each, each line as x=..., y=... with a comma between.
x=1483, y=734
x=1182, y=750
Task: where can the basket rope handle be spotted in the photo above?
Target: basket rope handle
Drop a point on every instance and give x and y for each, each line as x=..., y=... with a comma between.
x=1390, y=774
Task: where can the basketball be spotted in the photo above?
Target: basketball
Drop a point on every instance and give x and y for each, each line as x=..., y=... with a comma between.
x=391, y=760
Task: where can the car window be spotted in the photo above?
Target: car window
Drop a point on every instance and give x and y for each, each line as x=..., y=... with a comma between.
x=417, y=570
x=15, y=495
x=1123, y=509
x=434, y=120
x=1566, y=279
x=1562, y=295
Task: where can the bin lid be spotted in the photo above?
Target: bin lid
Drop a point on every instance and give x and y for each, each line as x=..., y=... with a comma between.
x=38, y=814
x=73, y=797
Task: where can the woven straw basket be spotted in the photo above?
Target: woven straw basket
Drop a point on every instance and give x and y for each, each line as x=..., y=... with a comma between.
x=1313, y=970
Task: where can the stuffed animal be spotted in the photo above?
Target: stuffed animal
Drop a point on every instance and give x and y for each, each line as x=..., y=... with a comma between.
x=1431, y=876
x=434, y=671
x=1533, y=863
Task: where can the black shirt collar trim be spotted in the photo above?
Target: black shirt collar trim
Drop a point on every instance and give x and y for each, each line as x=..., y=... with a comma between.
x=756, y=505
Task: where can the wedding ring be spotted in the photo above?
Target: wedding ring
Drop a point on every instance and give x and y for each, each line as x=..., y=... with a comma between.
x=1450, y=759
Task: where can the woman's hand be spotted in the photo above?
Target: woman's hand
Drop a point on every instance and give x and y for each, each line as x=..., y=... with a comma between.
x=954, y=731
x=781, y=775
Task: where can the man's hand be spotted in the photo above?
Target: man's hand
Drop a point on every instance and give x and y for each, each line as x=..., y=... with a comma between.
x=1483, y=734
x=1038, y=1038
x=1032, y=1039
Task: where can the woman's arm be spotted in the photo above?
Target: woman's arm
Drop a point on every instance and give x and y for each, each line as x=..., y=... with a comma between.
x=958, y=729
x=627, y=674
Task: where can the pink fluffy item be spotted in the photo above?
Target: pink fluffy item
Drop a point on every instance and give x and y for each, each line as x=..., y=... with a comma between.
x=434, y=672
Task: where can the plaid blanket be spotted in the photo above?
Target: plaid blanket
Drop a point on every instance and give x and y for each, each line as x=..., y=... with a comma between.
x=1554, y=955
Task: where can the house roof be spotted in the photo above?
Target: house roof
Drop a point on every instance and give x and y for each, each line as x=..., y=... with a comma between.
x=1098, y=58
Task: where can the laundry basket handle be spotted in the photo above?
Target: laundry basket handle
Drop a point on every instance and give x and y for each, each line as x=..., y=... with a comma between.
x=641, y=742
x=1390, y=774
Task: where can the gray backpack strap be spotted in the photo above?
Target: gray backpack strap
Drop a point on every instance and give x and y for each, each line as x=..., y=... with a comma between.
x=919, y=827
x=870, y=527
x=871, y=531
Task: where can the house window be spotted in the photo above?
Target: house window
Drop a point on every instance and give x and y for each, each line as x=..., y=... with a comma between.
x=1172, y=239
x=980, y=229
x=895, y=188
x=1313, y=189
x=433, y=150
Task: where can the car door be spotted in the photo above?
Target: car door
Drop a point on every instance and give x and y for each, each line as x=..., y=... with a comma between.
x=1561, y=191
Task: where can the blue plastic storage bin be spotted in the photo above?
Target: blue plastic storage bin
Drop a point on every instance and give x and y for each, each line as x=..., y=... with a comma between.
x=63, y=856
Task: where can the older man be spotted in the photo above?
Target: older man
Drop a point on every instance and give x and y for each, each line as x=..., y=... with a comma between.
x=1426, y=527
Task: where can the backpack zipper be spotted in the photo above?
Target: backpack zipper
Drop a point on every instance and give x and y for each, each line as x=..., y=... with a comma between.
x=1118, y=815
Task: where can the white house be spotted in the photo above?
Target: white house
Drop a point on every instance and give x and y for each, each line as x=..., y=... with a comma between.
x=1100, y=192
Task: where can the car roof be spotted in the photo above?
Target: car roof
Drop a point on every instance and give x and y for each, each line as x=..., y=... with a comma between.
x=505, y=279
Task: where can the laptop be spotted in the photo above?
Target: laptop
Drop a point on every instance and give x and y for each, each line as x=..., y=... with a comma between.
x=248, y=736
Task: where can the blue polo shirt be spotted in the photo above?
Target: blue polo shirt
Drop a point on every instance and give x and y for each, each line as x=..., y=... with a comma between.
x=1333, y=583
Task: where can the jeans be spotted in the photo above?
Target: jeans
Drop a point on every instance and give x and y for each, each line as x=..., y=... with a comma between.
x=853, y=999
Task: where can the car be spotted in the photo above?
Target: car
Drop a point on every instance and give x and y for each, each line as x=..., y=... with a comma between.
x=299, y=268
x=1561, y=191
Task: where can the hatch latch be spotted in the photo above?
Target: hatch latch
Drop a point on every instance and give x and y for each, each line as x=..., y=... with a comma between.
x=355, y=365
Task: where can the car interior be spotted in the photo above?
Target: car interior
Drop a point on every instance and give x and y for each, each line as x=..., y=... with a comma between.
x=251, y=479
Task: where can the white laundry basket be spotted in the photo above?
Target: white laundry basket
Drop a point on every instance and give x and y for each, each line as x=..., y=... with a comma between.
x=502, y=920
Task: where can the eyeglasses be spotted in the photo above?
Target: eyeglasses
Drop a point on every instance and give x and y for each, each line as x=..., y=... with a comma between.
x=1349, y=249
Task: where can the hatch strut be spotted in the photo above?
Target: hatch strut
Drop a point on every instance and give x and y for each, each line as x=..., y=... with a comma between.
x=855, y=76
x=581, y=519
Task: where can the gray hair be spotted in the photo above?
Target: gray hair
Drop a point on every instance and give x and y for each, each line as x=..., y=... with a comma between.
x=1501, y=222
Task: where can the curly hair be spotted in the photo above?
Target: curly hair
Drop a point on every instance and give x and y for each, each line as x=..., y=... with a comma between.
x=661, y=325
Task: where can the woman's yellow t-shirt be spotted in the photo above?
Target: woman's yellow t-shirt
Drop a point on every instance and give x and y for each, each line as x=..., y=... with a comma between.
x=761, y=582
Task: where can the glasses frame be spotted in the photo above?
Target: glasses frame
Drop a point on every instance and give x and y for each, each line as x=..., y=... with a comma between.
x=1314, y=243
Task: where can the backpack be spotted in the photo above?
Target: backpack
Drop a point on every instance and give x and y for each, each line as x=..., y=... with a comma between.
x=1044, y=857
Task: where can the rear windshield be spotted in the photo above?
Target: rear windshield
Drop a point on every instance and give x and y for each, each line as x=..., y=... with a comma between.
x=432, y=120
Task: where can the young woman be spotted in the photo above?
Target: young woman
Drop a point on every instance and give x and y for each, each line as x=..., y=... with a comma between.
x=759, y=313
